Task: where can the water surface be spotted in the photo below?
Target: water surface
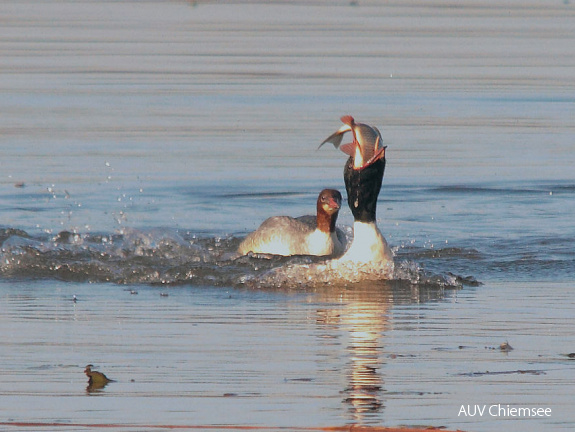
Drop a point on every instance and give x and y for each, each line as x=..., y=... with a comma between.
x=140, y=141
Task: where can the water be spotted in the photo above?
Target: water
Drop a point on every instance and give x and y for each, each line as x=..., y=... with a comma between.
x=140, y=141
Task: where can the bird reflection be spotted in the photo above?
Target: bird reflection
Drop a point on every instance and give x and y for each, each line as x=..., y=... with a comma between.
x=366, y=322
x=363, y=318
x=96, y=380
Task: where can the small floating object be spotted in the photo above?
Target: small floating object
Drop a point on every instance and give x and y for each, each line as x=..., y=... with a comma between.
x=504, y=347
x=298, y=379
x=131, y=291
x=96, y=380
x=164, y=294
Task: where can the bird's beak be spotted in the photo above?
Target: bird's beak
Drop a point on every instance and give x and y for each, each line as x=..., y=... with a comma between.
x=334, y=204
x=377, y=155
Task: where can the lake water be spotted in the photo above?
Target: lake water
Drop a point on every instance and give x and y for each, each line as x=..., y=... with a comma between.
x=141, y=141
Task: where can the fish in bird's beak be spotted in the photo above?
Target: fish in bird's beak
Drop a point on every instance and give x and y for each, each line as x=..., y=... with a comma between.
x=366, y=147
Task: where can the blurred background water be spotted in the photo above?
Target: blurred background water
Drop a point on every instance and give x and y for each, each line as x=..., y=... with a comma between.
x=140, y=141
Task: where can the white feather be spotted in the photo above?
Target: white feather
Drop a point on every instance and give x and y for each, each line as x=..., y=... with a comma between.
x=368, y=245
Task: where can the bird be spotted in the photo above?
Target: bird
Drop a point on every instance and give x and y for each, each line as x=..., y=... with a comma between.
x=305, y=235
x=363, y=176
x=368, y=257
x=96, y=379
x=367, y=145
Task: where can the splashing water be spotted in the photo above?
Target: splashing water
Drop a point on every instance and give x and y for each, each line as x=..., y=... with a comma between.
x=165, y=256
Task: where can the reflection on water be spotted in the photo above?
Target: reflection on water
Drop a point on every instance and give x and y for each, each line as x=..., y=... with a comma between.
x=360, y=354
x=365, y=320
x=94, y=389
x=362, y=318
x=314, y=351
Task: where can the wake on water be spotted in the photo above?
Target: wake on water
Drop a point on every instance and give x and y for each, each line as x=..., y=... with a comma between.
x=170, y=257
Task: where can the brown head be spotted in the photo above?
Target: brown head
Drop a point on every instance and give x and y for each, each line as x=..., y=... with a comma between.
x=88, y=369
x=328, y=205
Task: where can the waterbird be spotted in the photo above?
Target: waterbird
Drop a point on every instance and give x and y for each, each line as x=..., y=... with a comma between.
x=363, y=176
x=96, y=379
x=305, y=235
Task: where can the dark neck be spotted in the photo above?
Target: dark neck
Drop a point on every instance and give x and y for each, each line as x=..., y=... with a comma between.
x=363, y=189
x=325, y=221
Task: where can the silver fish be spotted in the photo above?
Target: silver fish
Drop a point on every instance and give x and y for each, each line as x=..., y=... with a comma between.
x=366, y=147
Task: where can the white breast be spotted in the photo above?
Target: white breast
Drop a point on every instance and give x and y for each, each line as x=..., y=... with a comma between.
x=321, y=243
x=368, y=245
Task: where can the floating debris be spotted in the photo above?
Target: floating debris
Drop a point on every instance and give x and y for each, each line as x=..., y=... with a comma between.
x=504, y=347
x=511, y=372
x=298, y=379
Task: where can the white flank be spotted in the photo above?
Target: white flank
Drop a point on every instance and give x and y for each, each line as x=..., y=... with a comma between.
x=277, y=246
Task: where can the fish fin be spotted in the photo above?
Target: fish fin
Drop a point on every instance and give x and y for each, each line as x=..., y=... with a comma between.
x=336, y=137
x=348, y=120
